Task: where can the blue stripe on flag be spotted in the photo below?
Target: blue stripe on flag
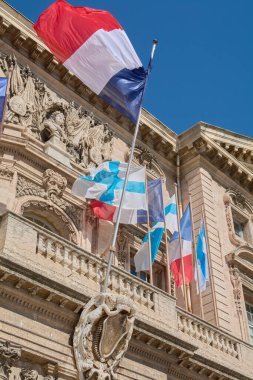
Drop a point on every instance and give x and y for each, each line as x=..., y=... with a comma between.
x=155, y=203
x=171, y=209
x=3, y=89
x=185, y=226
x=124, y=92
x=202, y=255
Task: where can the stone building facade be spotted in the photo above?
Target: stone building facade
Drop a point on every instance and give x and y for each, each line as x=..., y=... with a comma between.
x=53, y=251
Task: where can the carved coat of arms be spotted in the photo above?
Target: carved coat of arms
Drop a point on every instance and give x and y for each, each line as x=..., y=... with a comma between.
x=102, y=335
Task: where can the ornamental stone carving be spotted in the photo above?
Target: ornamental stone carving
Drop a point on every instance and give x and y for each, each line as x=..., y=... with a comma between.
x=102, y=336
x=49, y=117
x=6, y=172
x=28, y=374
x=237, y=287
x=8, y=357
x=54, y=185
x=144, y=157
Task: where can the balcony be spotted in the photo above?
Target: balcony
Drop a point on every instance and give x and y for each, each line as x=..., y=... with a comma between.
x=40, y=264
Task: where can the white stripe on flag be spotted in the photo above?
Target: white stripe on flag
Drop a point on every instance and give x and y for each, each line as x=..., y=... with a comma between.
x=109, y=52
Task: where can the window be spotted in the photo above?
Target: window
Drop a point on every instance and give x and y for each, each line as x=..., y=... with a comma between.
x=41, y=222
x=239, y=229
x=241, y=225
x=249, y=310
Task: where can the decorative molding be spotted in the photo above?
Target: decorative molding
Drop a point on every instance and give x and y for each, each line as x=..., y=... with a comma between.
x=8, y=357
x=102, y=336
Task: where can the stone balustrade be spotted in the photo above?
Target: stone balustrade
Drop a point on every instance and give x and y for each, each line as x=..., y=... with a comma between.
x=93, y=268
x=206, y=333
x=69, y=267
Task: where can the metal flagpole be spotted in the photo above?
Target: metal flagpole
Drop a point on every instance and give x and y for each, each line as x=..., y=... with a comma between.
x=181, y=249
x=112, y=249
x=168, y=276
x=149, y=240
x=196, y=259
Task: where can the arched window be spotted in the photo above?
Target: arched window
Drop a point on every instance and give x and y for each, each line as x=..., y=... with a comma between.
x=41, y=222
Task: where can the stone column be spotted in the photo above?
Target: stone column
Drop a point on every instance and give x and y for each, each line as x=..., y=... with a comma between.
x=8, y=356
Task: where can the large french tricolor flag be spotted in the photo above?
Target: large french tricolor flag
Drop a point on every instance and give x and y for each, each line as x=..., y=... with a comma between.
x=93, y=45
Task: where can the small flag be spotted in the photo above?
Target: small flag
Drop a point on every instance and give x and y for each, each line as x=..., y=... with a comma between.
x=105, y=184
x=171, y=215
x=135, y=216
x=93, y=45
x=3, y=90
x=202, y=261
x=141, y=259
x=174, y=250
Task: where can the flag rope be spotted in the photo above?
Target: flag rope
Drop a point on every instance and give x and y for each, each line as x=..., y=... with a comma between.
x=116, y=227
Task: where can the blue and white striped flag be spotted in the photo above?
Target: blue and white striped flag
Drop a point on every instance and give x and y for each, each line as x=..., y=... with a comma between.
x=141, y=259
x=171, y=215
x=202, y=261
x=105, y=183
x=3, y=90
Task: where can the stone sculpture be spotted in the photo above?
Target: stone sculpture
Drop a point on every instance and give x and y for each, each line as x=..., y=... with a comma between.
x=47, y=116
x=102, y=336
x=8, y=357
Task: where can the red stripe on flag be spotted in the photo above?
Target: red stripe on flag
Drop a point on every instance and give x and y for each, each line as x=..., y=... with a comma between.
x=103, y=210
x=64, y=28
x=176, y=268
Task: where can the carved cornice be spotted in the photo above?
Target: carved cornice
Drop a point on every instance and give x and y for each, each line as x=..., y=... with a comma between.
x=226, y=163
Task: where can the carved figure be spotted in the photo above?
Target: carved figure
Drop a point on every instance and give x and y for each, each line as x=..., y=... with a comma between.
x=54, y=183
x=54, y=126
x=8, y=357
x=102, y=336
x=28, y=374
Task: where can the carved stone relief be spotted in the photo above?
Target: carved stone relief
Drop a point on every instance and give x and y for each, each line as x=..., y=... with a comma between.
x=47, y=116
x=6, y=172
x=28, y=374
x=8, y=357
x=144, y=157
x=122, y=248
x=54, y=185
x=237, y=287
x=102, y=336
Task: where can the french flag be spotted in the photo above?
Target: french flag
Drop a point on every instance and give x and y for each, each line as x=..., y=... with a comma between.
x=174, y=250
x=93, y=45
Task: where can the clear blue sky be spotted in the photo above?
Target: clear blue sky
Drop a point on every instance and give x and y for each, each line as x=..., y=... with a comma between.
x=203, y=68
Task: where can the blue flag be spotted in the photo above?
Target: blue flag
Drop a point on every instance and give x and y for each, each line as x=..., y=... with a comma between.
x=155, y=203
x=202, y=262
x=3, y=90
